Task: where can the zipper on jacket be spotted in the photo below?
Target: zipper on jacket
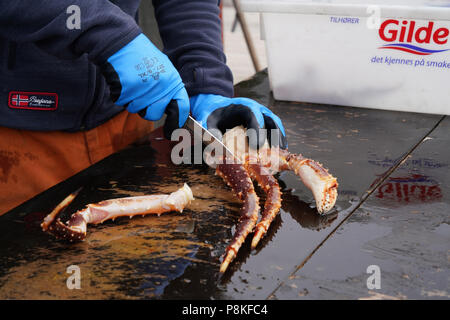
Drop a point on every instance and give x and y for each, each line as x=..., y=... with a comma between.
x=12, y=48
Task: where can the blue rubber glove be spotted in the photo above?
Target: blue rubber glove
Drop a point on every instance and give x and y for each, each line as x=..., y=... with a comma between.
x=220, y=113
x=143, y=79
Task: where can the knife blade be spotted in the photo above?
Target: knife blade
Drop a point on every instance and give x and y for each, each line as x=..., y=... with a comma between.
x=207, y=137
x=194, y=127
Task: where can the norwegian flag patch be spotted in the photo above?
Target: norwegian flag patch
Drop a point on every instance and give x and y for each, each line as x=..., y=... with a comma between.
x=33, y=100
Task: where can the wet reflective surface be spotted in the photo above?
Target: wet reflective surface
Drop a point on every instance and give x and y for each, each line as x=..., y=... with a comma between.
x=177, y=256
x=403, y=229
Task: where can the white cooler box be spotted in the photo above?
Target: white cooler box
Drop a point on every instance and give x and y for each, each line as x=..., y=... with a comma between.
x=370, y=54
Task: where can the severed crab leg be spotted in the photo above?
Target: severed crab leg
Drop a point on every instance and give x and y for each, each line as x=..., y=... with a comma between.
x=76, y=227
x=237, y=177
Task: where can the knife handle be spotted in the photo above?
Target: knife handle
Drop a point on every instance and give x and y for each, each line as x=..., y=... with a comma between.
x=171, y=122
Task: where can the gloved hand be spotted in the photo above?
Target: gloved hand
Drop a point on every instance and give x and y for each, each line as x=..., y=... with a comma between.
x=143, y=79
x=222, y=113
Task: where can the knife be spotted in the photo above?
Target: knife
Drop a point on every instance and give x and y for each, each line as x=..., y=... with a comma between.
x=207, y=137
x=194, y=127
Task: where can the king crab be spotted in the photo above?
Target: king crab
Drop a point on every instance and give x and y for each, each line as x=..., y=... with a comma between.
x=260, y=166
x=251, y=165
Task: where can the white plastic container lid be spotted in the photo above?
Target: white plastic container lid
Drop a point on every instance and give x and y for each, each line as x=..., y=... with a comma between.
x=409, y=9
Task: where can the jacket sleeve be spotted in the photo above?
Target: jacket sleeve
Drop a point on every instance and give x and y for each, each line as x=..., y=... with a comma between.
x=192, y=37
x=104, y=27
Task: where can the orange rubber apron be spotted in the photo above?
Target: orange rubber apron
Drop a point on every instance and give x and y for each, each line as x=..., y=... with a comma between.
x=33, y=161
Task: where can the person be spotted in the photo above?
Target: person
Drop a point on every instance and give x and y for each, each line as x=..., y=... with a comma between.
x=79, y=80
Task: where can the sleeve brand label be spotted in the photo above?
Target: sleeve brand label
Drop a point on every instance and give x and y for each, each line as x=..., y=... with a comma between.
x=33, y=100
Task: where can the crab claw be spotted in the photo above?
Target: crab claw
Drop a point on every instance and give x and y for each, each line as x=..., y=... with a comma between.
x=50, y=218
x=317, y=179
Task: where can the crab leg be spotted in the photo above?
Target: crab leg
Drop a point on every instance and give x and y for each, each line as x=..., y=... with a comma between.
x=272, y=204
x=76, y=227
x=317, y=179
x=313, y=175
x=236, y=177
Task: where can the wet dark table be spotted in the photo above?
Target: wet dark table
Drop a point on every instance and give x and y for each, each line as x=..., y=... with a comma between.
x=392, y=214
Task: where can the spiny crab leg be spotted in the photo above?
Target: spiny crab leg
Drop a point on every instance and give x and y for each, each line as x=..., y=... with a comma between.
x=272, y=205
x=237, y=177
x=76, y=227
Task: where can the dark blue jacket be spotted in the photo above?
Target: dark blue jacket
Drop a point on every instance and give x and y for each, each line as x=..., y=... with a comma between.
x=49, y=74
